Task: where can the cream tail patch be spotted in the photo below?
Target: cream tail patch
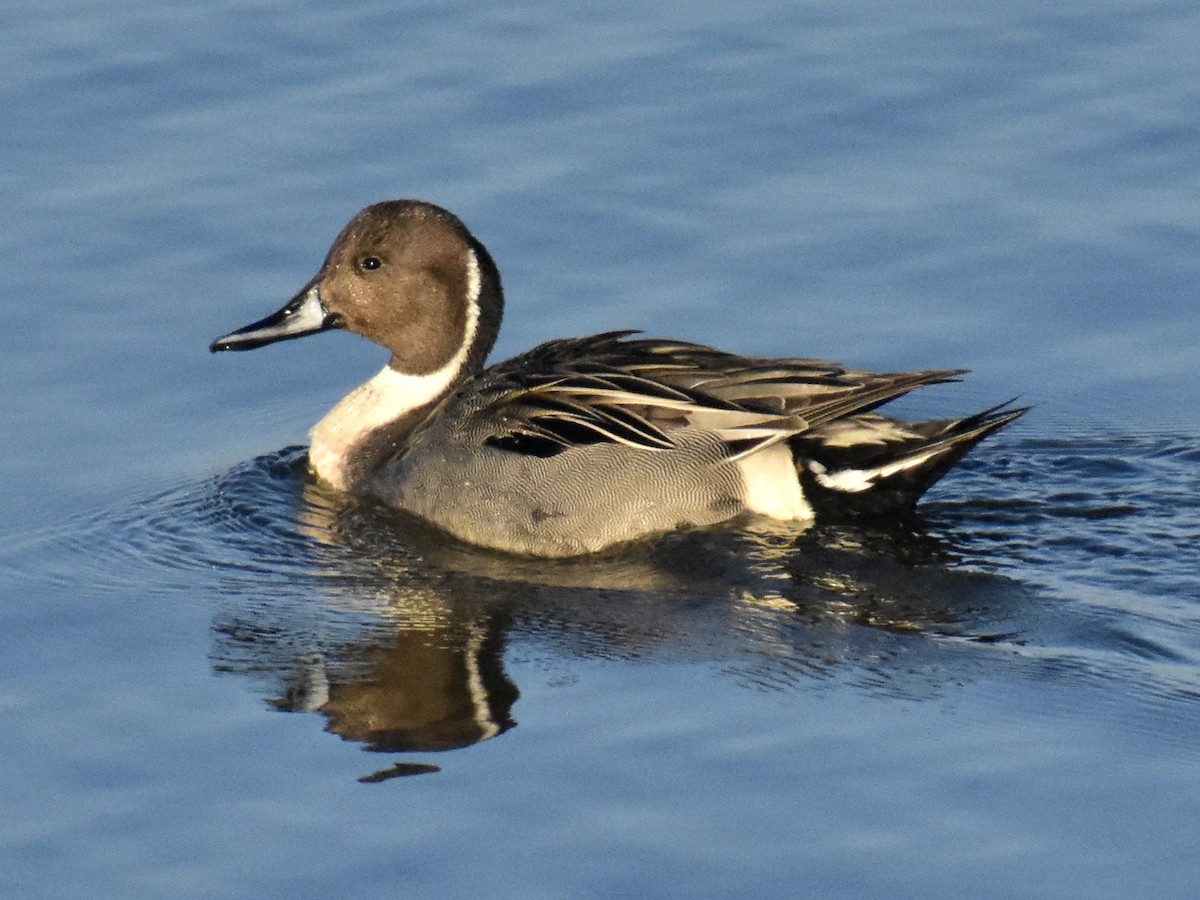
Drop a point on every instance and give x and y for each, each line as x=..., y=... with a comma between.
x=770, y=485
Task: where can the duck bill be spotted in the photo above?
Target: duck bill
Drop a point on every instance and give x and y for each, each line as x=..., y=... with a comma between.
x=305, y=314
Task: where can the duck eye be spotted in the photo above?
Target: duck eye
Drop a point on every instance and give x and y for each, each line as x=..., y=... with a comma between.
x=371, y=263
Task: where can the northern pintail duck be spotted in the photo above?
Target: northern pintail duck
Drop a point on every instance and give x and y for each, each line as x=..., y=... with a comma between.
x=582, y=443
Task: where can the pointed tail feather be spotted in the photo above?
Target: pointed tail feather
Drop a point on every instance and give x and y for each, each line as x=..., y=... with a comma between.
x=887, y=475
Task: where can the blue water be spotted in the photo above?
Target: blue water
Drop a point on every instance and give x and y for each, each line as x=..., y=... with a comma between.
x=217, y=680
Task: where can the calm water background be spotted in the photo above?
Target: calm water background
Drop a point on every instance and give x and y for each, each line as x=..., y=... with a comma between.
x=212, y=676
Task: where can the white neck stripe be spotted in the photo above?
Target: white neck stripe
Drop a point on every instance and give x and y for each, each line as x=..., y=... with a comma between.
x=387, y=397
x=401, y=392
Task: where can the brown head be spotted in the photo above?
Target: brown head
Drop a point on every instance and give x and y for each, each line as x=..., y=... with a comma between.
x=405, y=274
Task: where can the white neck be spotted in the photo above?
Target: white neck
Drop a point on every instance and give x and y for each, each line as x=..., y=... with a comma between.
x=384, y=399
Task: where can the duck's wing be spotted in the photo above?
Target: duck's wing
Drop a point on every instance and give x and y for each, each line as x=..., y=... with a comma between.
x=606, y=388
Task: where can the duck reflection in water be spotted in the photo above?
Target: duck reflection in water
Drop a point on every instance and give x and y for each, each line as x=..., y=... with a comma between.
x=433, y=687
x=398, y=638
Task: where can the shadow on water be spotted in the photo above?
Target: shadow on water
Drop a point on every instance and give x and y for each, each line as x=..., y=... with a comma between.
x=1055, y=559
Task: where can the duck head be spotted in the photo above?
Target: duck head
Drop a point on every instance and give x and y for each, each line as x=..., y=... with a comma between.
x=406, y=275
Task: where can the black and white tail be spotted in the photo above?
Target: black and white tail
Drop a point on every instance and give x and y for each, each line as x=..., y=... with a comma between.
x=868, y=465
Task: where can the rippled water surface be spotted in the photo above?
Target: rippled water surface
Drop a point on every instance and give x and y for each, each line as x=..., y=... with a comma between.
x=219, y=680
